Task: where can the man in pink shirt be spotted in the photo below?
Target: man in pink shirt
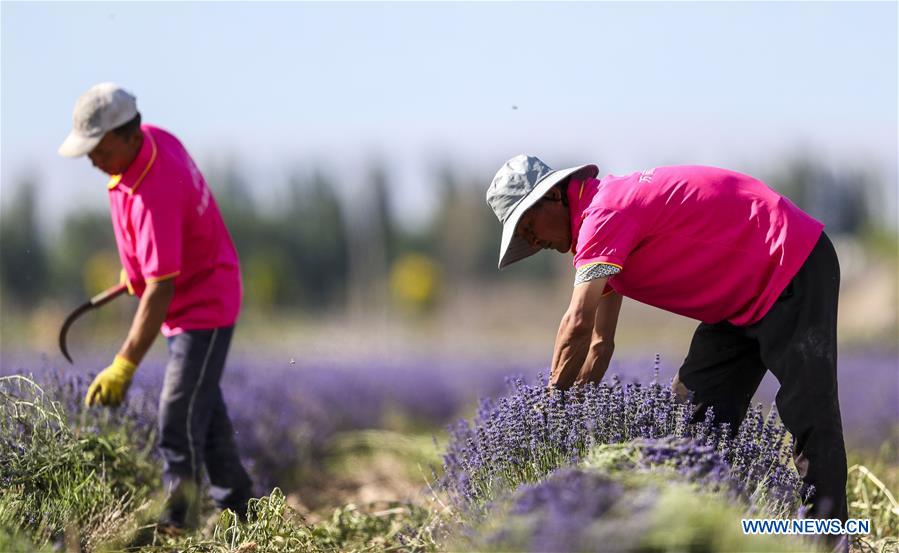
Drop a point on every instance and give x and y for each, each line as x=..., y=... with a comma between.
x=710, y=244
x=178, y=258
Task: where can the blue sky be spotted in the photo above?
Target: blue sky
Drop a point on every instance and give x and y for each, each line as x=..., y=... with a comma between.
x=292, y=86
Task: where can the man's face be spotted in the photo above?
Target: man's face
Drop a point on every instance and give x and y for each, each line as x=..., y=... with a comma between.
x=114, y=153
x=547, y=225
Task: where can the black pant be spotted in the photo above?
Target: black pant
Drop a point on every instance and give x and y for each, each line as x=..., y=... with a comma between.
x=797, y=341
x=194, y=428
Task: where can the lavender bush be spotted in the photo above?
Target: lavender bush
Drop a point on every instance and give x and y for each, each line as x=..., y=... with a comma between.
x=65, y=474
x=514, y=462
x=285, y=415
x=526, y=435
x=560, y=507
x=585, y=508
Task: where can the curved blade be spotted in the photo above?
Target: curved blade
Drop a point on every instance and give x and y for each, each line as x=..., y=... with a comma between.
x=86, y=306
x=102, y=298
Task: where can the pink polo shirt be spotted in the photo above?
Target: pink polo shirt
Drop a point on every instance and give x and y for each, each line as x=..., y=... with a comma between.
x=706, y=243
x=167, y=225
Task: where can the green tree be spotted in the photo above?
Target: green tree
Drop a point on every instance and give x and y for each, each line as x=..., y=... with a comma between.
x=312, y=235
x=467, y=236
x=83, y=235
x=839, y=199
x=24, y=267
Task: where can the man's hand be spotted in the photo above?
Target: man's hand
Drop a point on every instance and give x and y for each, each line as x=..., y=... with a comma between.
x=575, y=331
x=109, y=387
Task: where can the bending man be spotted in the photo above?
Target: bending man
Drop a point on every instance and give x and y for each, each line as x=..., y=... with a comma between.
x=714, y=245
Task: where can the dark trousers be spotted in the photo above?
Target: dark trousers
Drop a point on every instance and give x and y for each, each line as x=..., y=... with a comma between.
x=797, y=341
x=194, y=428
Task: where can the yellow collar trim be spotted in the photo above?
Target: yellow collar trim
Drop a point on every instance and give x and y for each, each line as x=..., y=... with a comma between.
x=147, y=168
x=116, y=179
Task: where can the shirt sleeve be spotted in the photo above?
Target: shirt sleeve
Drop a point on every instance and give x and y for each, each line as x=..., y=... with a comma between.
x=606, y=237
x=593, y=271
x=158, y=226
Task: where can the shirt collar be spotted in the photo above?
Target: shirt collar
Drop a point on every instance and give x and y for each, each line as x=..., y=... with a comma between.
x=135, y=173
x=580, y=194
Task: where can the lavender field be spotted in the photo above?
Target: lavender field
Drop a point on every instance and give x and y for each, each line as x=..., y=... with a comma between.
x=436, y=455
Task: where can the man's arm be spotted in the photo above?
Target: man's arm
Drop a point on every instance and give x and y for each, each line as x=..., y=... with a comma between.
x=154, y=304
x=575, y=332
x=603, y=343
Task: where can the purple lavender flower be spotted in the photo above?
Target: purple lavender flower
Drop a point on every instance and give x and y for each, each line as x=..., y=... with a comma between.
x=562, y=505
x=526, y=435
x=284, y=415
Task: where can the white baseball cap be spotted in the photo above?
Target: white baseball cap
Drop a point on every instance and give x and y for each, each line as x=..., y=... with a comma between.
x=517, y=186
x=99, y=110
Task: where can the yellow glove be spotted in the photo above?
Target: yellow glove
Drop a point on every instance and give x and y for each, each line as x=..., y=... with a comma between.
x=109, y=387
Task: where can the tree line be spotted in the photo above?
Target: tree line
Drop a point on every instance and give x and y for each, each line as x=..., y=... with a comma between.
x=314, y=251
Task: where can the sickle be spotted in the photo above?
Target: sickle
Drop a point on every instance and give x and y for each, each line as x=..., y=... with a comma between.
x=102, y=298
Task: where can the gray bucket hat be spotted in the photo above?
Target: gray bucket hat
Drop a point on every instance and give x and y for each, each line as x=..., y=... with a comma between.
x=517, y=186
x=102, y=108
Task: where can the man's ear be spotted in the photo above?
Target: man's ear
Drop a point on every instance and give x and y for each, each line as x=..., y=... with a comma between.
x=554, y=194
x=135, y=138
